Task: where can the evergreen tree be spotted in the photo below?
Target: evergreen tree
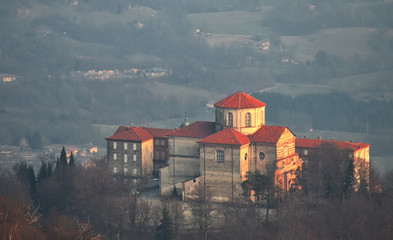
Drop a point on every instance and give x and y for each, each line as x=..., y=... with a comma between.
x=44, y=172
x=63, y=157
x=72, y=161
x=164, y=230
x=22, y=173
x=26, y=175
x=32, y=179
x=61, y=164
x=349, y=180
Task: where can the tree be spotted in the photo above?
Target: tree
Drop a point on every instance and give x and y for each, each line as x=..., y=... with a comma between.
x=349, y=180
x=164, y=230
x=18, y=222
x=262, y=185
x=202, y=210
x=72, y=161
x=45, y=171
x=176, y=210
x=26, y=175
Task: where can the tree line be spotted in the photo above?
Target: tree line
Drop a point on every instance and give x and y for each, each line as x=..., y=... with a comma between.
x=332, y=111
x=66, y=201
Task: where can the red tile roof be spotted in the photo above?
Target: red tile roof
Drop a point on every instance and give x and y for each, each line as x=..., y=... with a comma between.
x=159, y=132
x=227, y=136
x=138, y=134
x=122, y=129
x=316, y=143
x=198, y=129
x=240, y=100
x=267, y=134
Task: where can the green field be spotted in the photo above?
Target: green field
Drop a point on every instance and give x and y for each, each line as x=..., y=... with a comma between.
x=371, y=85
x=234, y=22
x=294, y=90
x=344, y=42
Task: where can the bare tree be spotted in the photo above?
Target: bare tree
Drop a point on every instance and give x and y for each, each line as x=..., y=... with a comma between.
x=203, y=214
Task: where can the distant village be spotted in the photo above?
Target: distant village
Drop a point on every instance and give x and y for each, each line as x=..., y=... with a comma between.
x=84, y=154
x=131, y=73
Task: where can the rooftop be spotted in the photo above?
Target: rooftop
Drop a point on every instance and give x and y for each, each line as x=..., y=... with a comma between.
x=268, y=134
x=198, y=129
x=227, y=136
x=240, y=100
x=138, y=134
x=316, y=143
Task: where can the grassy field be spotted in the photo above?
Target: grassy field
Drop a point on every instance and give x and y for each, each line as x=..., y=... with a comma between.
x=344, y=42
x=294, y=90
x=371, y=85
x=234, y=22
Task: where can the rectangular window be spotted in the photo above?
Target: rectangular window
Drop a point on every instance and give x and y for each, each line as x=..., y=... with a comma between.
x=162, y=155
x=157, y=155
x=125, y=158
x=162, y=142
x=220, y=156
x=114, y=156
x=134, y=146
x=114, y=145
x=134, y=157
x=125, y=170
x=114, y=170
x=134, y=171
x=125, y=145
x=156, y=142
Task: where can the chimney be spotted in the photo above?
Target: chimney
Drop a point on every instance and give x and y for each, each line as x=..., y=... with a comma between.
x=350, y=141
x=305, y=137
x=319, y=138
x=333, y=139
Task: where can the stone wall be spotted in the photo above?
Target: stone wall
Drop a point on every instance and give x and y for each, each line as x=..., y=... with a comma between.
x=121, y=160
x=222, y=178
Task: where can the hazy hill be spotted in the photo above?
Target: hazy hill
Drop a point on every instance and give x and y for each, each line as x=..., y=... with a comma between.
x=205, y=49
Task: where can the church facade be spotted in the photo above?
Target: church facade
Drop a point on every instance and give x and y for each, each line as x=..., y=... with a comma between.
x=218, y=153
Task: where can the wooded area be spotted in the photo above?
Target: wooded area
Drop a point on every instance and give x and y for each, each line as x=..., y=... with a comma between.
x=70, y=202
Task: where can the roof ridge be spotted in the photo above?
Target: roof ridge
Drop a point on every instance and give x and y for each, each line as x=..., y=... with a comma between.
x=133, y=129
x=233, y=133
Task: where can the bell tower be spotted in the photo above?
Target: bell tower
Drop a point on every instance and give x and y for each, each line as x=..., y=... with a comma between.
x=241, y=112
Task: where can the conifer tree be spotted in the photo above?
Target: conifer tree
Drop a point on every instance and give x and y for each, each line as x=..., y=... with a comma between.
x=72, y=161
x=349, y=179
x=32, y=179
x=164, y=230
x=61, y=164
x=63, y=157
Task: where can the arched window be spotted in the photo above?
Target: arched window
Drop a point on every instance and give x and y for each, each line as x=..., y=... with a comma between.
x=230, y=120
x=248, y=120
x=220, y=156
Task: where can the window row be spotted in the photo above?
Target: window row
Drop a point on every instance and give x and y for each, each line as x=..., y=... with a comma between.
x=125, y=146
x=160, y=155
x=158, y=142
x=220, y=156
x=247, y=119
x=125, y=157
x=125, y=170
